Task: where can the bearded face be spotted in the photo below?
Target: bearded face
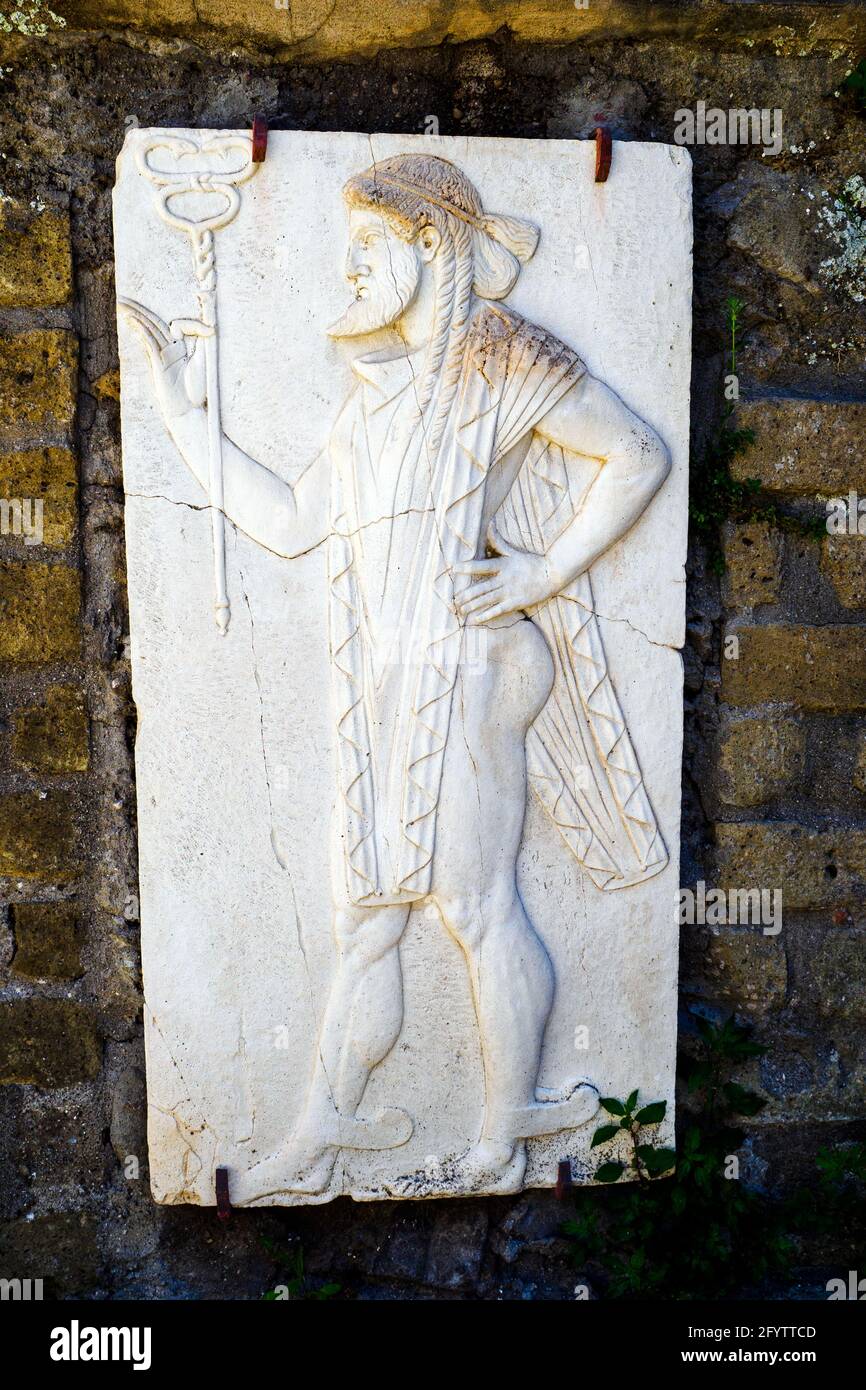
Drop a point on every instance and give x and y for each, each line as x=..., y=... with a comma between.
x=385, y=273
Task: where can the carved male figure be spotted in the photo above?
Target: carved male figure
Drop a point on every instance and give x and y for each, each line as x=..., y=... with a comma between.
x=473, y=476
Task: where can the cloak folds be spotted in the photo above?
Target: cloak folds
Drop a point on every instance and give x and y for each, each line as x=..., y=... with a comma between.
x=401, y=521
x=579, y=756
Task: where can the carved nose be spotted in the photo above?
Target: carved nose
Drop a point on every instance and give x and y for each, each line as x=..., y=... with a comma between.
x=355, y=267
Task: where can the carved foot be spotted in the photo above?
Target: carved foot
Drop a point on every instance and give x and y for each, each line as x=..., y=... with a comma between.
x=566, y=1107
x=304, y=1166
x=487, y=1167
x=292, y=1168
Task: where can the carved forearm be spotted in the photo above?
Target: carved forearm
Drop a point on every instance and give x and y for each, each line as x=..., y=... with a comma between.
x=284, y=519
x=632, y=473
x=592, y=420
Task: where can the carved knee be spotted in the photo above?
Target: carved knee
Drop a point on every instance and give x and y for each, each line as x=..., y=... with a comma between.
x=463, y=915
x=470, y=917
x=366, y=936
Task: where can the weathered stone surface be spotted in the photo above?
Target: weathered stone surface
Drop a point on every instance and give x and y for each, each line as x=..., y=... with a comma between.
x=38, y=381
x=53, y=736
x=752, y=568
x=804, y=447
x=47, y=940
x=799, y=343
x=455, y=1250
x=50, y=477
x=859, y=775
x=813, y=868
x=837, y=976
x=746, y=966
x=38, y=836
x=61, y=1248
x=349, y=28
x=843, y=561
x=47, y=1043
x=128, y=1114
x=759, y=758
x=35, y=256
x=813, y=668
x=39, y=612
x=769, y=225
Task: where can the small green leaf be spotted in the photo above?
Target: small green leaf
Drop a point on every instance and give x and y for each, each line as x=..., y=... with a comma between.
x=612, y=1105
x=656, y=1161
x=610, y=1172
x=603, y=1134
x=652, y=1114
x=741, y=1100
x=631, y=1102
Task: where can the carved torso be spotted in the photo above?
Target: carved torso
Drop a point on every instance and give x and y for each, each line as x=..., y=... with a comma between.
x=403, y=516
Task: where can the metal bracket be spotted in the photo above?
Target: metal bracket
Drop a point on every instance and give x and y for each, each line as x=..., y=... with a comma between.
x=223, y=1200
x=260, y=139
x=603, y=153
x=563, y=1179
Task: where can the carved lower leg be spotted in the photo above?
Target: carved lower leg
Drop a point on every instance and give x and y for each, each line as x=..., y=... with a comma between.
x=513, y=987
x=363, y=1016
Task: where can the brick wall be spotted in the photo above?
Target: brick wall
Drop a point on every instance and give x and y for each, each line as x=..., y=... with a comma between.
x=775, y=776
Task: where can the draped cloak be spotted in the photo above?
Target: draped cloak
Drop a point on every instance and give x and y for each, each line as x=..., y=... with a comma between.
x=402, y=517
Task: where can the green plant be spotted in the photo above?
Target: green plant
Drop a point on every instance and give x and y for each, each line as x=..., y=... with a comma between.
x=835, y=1204
x=715, y=496
x=296, y=1284
x=855, y=82
x=699, y=1232
x=733, y=309
x=645, y=1161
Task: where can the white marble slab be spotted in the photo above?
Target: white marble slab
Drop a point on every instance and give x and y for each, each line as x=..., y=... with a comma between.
x=241, y=769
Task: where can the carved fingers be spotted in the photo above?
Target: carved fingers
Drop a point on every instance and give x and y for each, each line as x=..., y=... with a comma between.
x=502, y=584
x=178, y=377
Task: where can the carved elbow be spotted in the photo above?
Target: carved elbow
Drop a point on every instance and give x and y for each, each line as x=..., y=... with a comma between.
x=665, y=462
x=660, y=461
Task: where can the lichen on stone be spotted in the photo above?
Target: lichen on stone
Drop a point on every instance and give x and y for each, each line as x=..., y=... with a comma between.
x=845, y=220
x=34, y=21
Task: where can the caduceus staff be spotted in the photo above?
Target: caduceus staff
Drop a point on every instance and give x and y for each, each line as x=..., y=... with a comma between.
x=172, y=184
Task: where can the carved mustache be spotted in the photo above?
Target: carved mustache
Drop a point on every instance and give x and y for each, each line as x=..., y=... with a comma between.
x=378, y=303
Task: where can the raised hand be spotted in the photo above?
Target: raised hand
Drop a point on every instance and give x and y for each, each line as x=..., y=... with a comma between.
x=176, y=364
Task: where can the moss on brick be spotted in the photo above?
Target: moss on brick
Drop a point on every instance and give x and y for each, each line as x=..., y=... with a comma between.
x=814, y=868
x=843, y=561
x=38, y=837
x=47, y=941
x=52, y=737
x=821, y=669
x=35, y=256
x=38, y=378
x=39, y=612
x=47, y=475
x=759, y=758
x=47, y=1043
x=804, y=447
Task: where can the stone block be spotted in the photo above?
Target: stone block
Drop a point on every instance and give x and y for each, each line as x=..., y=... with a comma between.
x=820, y=669
x=53, y=737
x=35, y=256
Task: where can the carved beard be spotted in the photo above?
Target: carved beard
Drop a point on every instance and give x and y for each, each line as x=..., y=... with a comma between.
x=381, y=301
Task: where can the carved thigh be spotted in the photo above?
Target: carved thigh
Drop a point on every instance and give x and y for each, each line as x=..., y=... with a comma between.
x=499, y=691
